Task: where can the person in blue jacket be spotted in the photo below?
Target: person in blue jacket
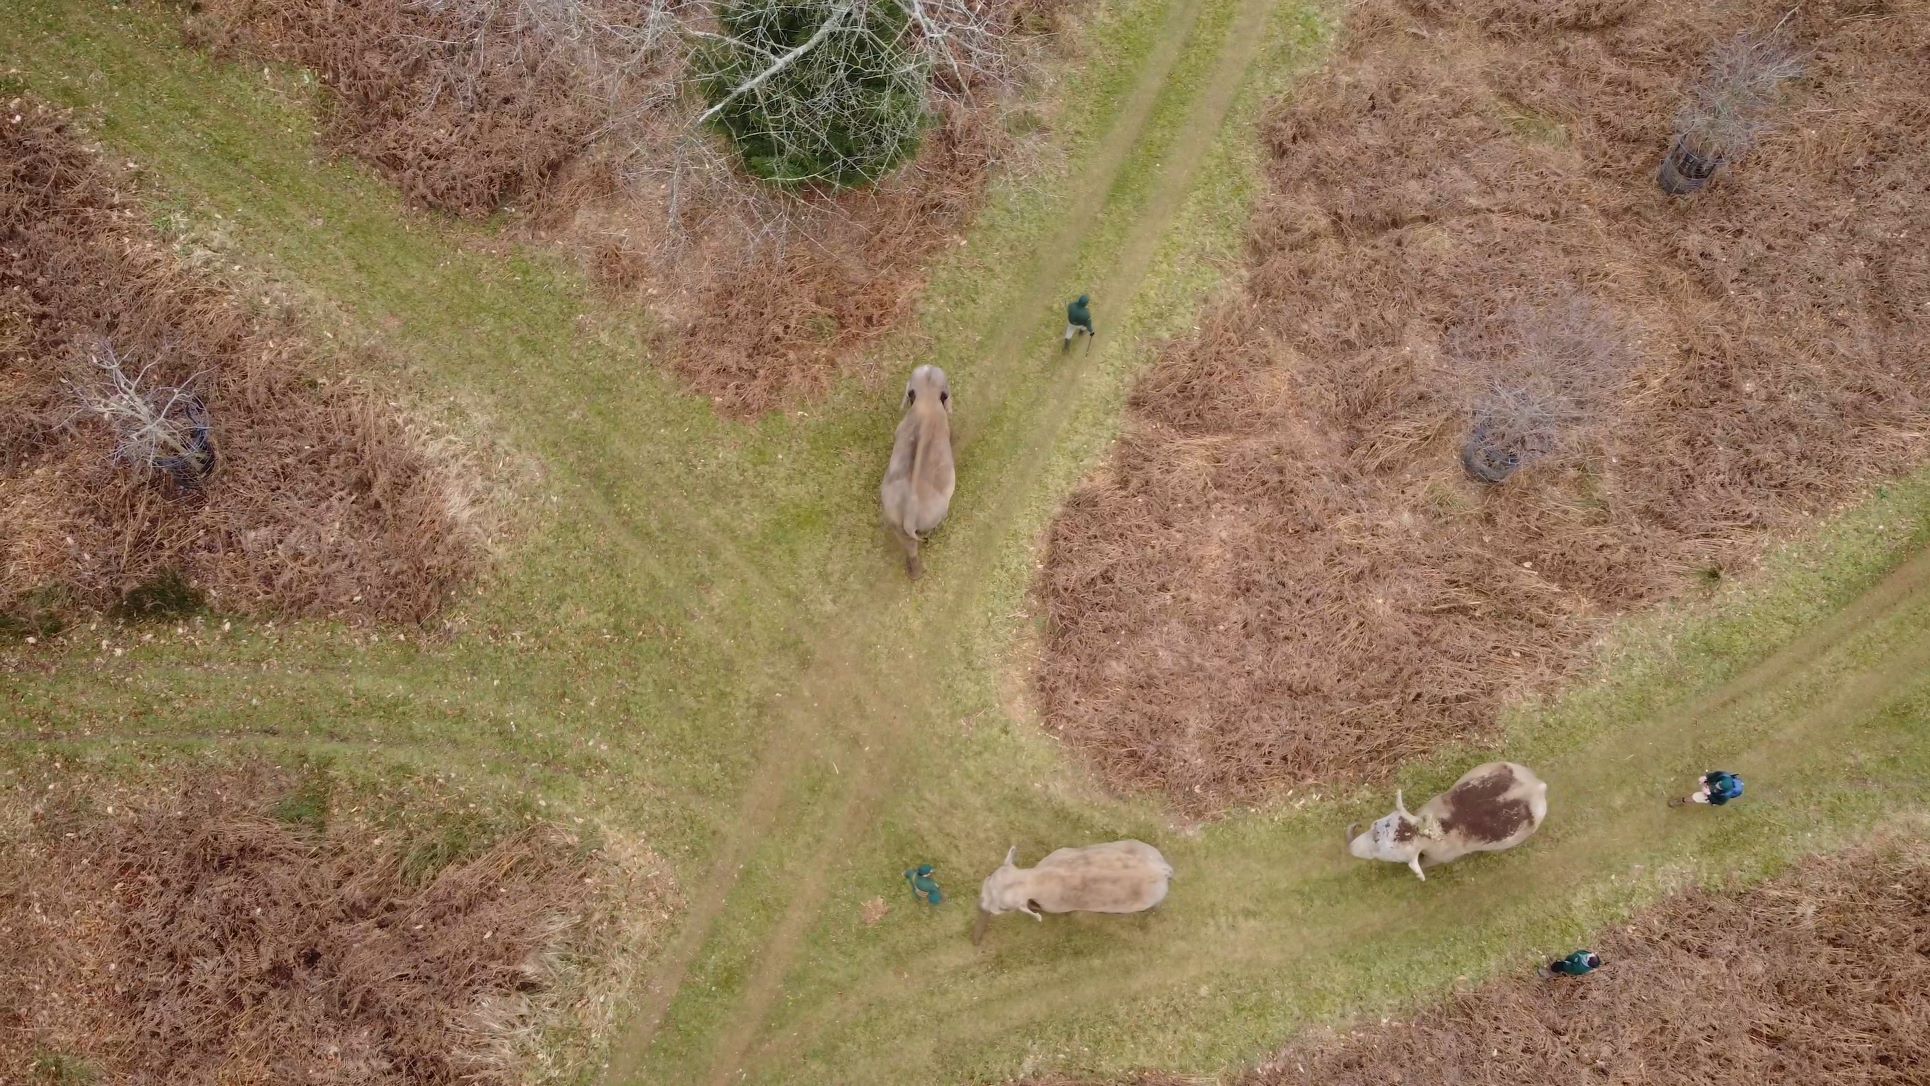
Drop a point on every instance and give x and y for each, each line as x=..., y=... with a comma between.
x=1716, y=788
x=923, y=886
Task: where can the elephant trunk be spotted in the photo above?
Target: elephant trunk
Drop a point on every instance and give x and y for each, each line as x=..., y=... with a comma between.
x=978, y=927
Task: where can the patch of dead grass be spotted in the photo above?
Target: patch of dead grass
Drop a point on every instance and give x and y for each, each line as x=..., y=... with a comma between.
x=186, y=934
x=326, y=502
x=1284, y=576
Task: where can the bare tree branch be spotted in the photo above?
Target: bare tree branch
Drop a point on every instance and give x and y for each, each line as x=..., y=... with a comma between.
x=164, y=428
x=831, y=22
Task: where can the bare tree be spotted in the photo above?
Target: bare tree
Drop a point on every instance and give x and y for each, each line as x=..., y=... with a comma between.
x=965, y=44
x=704, y=192
x=1542, y=377
x=162, y=428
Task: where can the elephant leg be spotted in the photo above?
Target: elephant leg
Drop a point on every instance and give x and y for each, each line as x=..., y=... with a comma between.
x=909, y=544
x=913, y=565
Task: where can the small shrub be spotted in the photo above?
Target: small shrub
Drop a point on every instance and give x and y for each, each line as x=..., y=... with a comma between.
x=167, y=596
x=40, y=613
x=329, y=503
x=443, y=839
x=1514, y=426
x=1729, y=107
x=816, y=91
x=54, y=1069
x=306, y=805
x=1550, y=371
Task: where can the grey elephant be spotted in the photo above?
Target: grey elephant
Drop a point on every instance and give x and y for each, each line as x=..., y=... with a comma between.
x=1492, y=807
x=917, y=491
x=1116, y=877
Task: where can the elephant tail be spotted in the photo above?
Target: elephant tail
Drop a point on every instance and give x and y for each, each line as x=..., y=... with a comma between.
x=907, y=522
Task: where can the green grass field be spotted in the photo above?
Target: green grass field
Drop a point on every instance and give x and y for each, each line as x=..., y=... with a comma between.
x=698, y=637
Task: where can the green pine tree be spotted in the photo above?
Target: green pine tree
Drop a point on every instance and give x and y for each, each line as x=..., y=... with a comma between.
x=845, y=112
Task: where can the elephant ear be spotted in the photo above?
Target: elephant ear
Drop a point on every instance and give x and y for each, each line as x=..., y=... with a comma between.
x=1429, y=827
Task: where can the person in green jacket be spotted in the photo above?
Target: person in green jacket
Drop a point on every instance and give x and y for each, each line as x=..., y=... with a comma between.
x=923, y=886
x=1579, y=964
x=1078, y=320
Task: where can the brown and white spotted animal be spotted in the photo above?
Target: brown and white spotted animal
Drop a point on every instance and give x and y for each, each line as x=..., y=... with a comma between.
x=1492, y=807
x=917, y=491
x=1116, y=877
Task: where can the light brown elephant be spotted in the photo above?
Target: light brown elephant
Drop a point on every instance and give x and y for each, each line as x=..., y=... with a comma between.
x=1116, y=877
x=917, y=491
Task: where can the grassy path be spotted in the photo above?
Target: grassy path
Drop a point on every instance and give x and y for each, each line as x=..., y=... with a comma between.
x=703, y=641
x=1234, y=47
x=832, y=674
x=1829, y=729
